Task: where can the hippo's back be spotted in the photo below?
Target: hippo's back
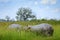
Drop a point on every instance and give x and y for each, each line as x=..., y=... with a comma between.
x=45, y=26
x=14, y=26
x=41, y=26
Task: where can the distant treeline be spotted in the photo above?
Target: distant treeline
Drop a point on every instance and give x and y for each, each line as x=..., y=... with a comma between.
x=30, y=22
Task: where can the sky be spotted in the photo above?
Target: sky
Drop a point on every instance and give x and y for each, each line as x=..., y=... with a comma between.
x=49, y=9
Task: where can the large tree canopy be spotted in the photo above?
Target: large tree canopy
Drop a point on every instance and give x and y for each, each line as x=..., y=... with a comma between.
x=7, y=18
x=24, y=13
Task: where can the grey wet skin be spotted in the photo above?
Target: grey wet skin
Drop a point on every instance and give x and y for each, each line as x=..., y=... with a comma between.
x=44, y=29
x=15, y=26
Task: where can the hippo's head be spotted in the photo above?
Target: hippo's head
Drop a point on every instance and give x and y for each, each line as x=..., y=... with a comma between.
x=49, y=32
x=27, y=28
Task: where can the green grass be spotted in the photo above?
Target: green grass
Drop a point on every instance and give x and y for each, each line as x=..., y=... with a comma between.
x=6, y=34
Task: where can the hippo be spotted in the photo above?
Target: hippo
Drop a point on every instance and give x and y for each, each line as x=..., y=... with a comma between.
x=15, y=26
x=44, y=29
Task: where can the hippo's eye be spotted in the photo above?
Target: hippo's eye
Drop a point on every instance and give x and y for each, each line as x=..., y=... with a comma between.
x=48, y=32
x=29, y=28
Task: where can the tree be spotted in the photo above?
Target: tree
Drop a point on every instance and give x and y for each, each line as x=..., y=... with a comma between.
x=7, y=18
x=2, y=20
x=12, y=20
x=17, y=18
x=24, y=13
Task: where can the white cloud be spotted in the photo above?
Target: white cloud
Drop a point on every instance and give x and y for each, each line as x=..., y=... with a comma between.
x=48, y=2
x=44, y=1
x=56, y=10
x=36, y=2
x=53, y=1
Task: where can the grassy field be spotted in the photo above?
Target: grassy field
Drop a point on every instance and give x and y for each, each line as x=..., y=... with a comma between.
x=6, y=34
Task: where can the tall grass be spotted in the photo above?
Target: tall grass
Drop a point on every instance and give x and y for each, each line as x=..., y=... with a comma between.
x=6, y=34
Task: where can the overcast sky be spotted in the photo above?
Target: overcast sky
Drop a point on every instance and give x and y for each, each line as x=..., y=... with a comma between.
x=41, y=8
